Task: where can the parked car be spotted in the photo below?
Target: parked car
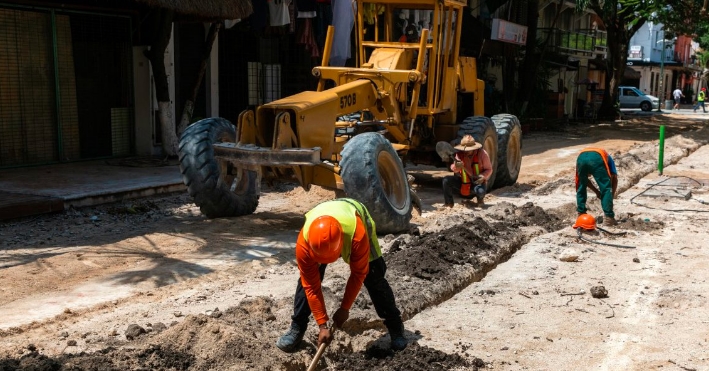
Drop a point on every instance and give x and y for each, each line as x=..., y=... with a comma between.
x=632, y=97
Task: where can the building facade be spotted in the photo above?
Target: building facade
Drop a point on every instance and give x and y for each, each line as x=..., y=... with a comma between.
x=663, y=64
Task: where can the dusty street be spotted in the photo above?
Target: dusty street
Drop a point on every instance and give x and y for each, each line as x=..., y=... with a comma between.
x=479, y=288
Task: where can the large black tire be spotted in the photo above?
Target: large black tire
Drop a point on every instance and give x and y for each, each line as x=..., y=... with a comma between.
x=509, y=149
x=373, y=174
x=216, y=192
x=483, y=130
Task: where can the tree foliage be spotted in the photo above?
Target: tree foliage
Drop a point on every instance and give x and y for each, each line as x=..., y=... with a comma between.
x=681, y=17
x=687, y=17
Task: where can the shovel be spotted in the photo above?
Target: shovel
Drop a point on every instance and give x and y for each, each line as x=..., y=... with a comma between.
x=321, y=350
x=446, y=151
x=581, y=237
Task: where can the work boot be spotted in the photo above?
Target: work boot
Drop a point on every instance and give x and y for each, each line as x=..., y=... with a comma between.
x=291, y=339
x=610, y=221
x=481, y=201
x=450, y=205
x=396, y=332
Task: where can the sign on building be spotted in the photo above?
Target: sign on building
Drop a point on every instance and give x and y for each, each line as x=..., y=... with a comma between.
x=636, y=52
x=508, y=32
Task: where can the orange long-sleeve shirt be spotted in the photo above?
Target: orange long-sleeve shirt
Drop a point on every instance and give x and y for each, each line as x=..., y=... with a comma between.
x=310, y=275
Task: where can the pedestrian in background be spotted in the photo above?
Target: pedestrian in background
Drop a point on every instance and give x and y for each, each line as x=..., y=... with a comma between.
x=677, y=95
x=700, y=100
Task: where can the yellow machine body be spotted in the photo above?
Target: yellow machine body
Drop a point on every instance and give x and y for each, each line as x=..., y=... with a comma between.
x=408, y=91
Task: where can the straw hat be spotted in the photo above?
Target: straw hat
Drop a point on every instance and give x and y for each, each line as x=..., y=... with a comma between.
x=468, y=143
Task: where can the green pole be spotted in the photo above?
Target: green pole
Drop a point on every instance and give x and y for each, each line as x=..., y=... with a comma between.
x=661, y=160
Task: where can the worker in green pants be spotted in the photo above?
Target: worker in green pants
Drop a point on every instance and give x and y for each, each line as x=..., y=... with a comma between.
x=598, y=163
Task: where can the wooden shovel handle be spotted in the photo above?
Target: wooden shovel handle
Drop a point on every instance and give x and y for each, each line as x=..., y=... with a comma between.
x=321, y=350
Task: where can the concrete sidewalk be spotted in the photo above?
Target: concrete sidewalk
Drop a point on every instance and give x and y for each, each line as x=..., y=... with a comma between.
x=52, y=188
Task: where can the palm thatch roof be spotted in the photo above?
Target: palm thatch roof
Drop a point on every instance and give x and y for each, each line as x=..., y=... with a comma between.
x=214, y=9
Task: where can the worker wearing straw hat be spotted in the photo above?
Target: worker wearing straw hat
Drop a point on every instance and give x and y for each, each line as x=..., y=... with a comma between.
x=472, y=168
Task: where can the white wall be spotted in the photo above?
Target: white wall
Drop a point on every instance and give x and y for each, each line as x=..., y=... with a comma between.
x=142, y=110
x=211, y=79
x=145, y=101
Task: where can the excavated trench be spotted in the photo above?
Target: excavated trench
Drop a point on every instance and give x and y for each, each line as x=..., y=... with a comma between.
x=425, y=269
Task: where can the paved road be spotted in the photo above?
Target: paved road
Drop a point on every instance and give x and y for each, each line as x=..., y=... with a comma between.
x=682, y=111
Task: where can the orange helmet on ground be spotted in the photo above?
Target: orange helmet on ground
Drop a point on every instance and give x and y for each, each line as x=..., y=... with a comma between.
x=585, y=221
x=325, y=239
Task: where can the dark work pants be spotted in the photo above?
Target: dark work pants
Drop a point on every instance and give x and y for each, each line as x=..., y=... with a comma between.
x=453, y=183
x=377, y=286
x=591, y=163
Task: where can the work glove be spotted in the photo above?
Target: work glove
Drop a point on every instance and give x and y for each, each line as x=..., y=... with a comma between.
x=340, y=316
x=325, y=335
x=459, y=165
x=480, y=179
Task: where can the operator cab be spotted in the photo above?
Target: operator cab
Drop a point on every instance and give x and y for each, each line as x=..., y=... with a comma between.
x=389, y=36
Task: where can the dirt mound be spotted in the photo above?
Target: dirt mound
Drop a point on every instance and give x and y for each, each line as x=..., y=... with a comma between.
x=528, y=215
x=640, y=224
x=414, y=358
x=154, y=357
x=241, y=338
x=467, y=235
x=424, y=269
x=429, y=256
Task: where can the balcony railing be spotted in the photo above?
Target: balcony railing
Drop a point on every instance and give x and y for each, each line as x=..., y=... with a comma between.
x=687, y=62
x=588, y=43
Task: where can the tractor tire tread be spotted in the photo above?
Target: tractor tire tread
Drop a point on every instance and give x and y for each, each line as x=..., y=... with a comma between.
x=509, y=134
x=363, y=182
x=201, y=172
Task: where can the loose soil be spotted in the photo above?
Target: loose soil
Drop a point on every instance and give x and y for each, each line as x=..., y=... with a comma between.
x=153, y=285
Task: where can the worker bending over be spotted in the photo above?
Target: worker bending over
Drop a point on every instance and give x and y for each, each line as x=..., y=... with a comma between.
x=334, y=229
x=598, y=163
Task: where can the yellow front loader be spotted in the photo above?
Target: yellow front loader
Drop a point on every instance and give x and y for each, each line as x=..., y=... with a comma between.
x=409, y=90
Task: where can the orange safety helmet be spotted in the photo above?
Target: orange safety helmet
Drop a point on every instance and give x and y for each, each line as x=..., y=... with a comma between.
x=325, y=239
x=585, y=221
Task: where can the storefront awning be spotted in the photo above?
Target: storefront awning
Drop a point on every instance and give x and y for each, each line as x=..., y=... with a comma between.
x=631, y=74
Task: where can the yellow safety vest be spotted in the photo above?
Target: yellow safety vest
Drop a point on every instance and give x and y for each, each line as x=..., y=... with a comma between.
x=345, y=211
x=464, y=177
